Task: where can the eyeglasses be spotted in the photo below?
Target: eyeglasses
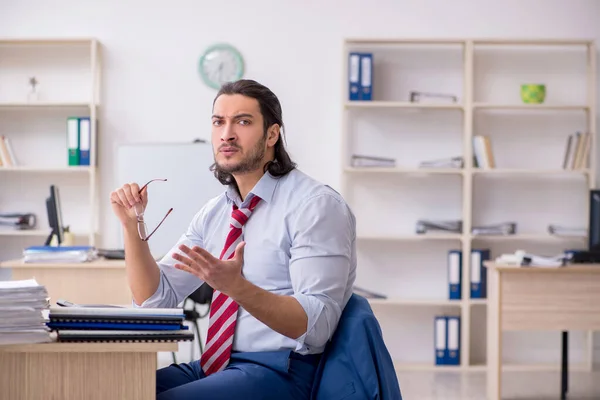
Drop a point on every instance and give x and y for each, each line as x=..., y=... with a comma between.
x=139, y=212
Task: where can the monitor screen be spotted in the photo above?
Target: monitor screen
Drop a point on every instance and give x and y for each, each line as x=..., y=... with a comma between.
x=594, y=222
x=55, y=219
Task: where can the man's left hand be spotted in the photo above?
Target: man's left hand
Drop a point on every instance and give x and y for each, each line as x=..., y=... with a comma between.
x=222, y=275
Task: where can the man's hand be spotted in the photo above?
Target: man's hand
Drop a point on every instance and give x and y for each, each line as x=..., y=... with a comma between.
x=283, y=314
x=222, y=275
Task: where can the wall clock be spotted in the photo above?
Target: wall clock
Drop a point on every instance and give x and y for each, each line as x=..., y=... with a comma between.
x=220, y=63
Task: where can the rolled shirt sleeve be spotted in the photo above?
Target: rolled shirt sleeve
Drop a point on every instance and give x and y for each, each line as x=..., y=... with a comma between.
x=321, y=258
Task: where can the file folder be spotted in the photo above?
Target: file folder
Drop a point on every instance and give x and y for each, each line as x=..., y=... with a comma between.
x=366, y=76
x=73, y=140
x=478, y=273
x=453, y=346
x=85, y=138
x=354, y=76
x=441, y=337
x=454, y=274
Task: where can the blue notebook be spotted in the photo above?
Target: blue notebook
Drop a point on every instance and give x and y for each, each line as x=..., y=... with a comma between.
x=115, y=325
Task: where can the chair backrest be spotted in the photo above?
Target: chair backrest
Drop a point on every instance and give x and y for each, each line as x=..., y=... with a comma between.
x=202, y=295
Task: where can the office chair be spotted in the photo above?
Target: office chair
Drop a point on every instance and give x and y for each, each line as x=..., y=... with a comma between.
x=202, y=296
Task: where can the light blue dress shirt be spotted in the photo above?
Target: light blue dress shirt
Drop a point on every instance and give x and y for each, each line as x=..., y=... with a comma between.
x=300, y=241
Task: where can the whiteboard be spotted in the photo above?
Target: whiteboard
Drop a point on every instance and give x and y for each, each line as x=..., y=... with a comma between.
x=190, y=184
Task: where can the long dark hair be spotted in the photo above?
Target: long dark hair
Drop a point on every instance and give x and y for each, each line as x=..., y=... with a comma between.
x=270, y=108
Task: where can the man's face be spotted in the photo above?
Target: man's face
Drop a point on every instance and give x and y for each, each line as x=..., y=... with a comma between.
x=239, y=141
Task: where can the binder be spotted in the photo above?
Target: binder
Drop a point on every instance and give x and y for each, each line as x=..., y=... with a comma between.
x=453, y=345
x=73, y=140
x=440, y=340
x=366, y=76
x=85, y=138
x=354, y=76
x=478, y=275
x=454, y=274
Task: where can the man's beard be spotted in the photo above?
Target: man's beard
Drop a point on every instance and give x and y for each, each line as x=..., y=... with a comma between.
x=250, y=163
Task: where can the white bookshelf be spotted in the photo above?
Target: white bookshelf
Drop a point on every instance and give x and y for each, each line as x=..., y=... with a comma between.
x=528, y=142
x=68, y=72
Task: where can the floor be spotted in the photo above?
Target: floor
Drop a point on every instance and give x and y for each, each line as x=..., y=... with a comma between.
x=455, y=385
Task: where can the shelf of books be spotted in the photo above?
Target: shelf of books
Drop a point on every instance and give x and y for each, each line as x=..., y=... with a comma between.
x=49, y=102
x=458, y=151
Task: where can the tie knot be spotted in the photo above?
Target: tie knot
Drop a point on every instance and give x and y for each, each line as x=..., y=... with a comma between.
x=239, y=216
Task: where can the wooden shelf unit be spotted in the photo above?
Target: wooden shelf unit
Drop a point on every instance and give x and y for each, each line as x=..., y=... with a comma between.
x=68, y=71
x=469, y=105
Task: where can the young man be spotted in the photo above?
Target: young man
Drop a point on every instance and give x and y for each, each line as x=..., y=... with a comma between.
x=277, y=247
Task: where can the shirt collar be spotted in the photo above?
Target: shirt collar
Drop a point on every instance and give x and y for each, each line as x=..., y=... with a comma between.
x=264, y=189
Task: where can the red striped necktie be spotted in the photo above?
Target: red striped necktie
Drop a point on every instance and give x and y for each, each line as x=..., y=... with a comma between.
x=223, y=310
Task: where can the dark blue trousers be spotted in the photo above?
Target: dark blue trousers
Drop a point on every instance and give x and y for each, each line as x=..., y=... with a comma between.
x=276, y=375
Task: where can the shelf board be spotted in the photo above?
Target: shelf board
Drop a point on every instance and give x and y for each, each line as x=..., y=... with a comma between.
x=32, y=232
x=404, y=366
x=410, y=237
x=541, y=237
x=525, y=171
x=402, y=104
x=404, y=41
x=536, y=107
x=47, y=41
x=395, y=170
x=533, y=42
x=44, y=104
x=74, y=169
x=415, y=302
x=478, y=301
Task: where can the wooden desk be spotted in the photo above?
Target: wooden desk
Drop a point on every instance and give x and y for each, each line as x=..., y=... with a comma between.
x=80, y=370
x=98, y=282
x=537, y=298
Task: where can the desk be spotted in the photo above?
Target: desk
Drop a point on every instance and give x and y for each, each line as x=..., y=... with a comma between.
x=88, y=371
x=537, y=298
x=99, y=281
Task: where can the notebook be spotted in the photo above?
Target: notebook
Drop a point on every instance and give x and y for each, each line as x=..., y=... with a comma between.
x=69, y=335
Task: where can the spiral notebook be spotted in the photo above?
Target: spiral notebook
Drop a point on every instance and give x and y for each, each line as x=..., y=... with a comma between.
x=75, y=335
x=110, y=314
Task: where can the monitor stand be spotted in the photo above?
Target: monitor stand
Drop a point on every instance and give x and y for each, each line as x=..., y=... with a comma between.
x=50, y=236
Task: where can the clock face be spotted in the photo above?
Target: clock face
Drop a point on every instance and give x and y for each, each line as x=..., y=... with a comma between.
x=219, y=64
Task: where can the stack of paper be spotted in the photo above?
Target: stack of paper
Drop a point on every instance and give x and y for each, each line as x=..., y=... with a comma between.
x=23, y=312
x=560, y=230
x=61, y=254
x=449, y=226
x=452, y=162
x=504, y=228
x=372, y=161
x=118, y=324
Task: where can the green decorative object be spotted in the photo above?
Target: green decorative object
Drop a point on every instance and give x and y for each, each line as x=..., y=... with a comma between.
x=220, y=63
x=533, y=93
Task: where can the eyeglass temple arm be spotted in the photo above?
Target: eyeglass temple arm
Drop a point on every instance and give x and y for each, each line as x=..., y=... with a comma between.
x=149, y=182
x=160, y=223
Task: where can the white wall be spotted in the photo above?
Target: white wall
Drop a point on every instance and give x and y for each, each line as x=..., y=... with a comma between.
x=152, y=92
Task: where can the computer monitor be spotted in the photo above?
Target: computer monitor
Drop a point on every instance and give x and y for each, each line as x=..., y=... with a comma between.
x=594, y=222
x=54, y=216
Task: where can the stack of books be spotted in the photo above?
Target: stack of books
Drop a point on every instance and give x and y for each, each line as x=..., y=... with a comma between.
x=118, y=324
x=23, y=312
